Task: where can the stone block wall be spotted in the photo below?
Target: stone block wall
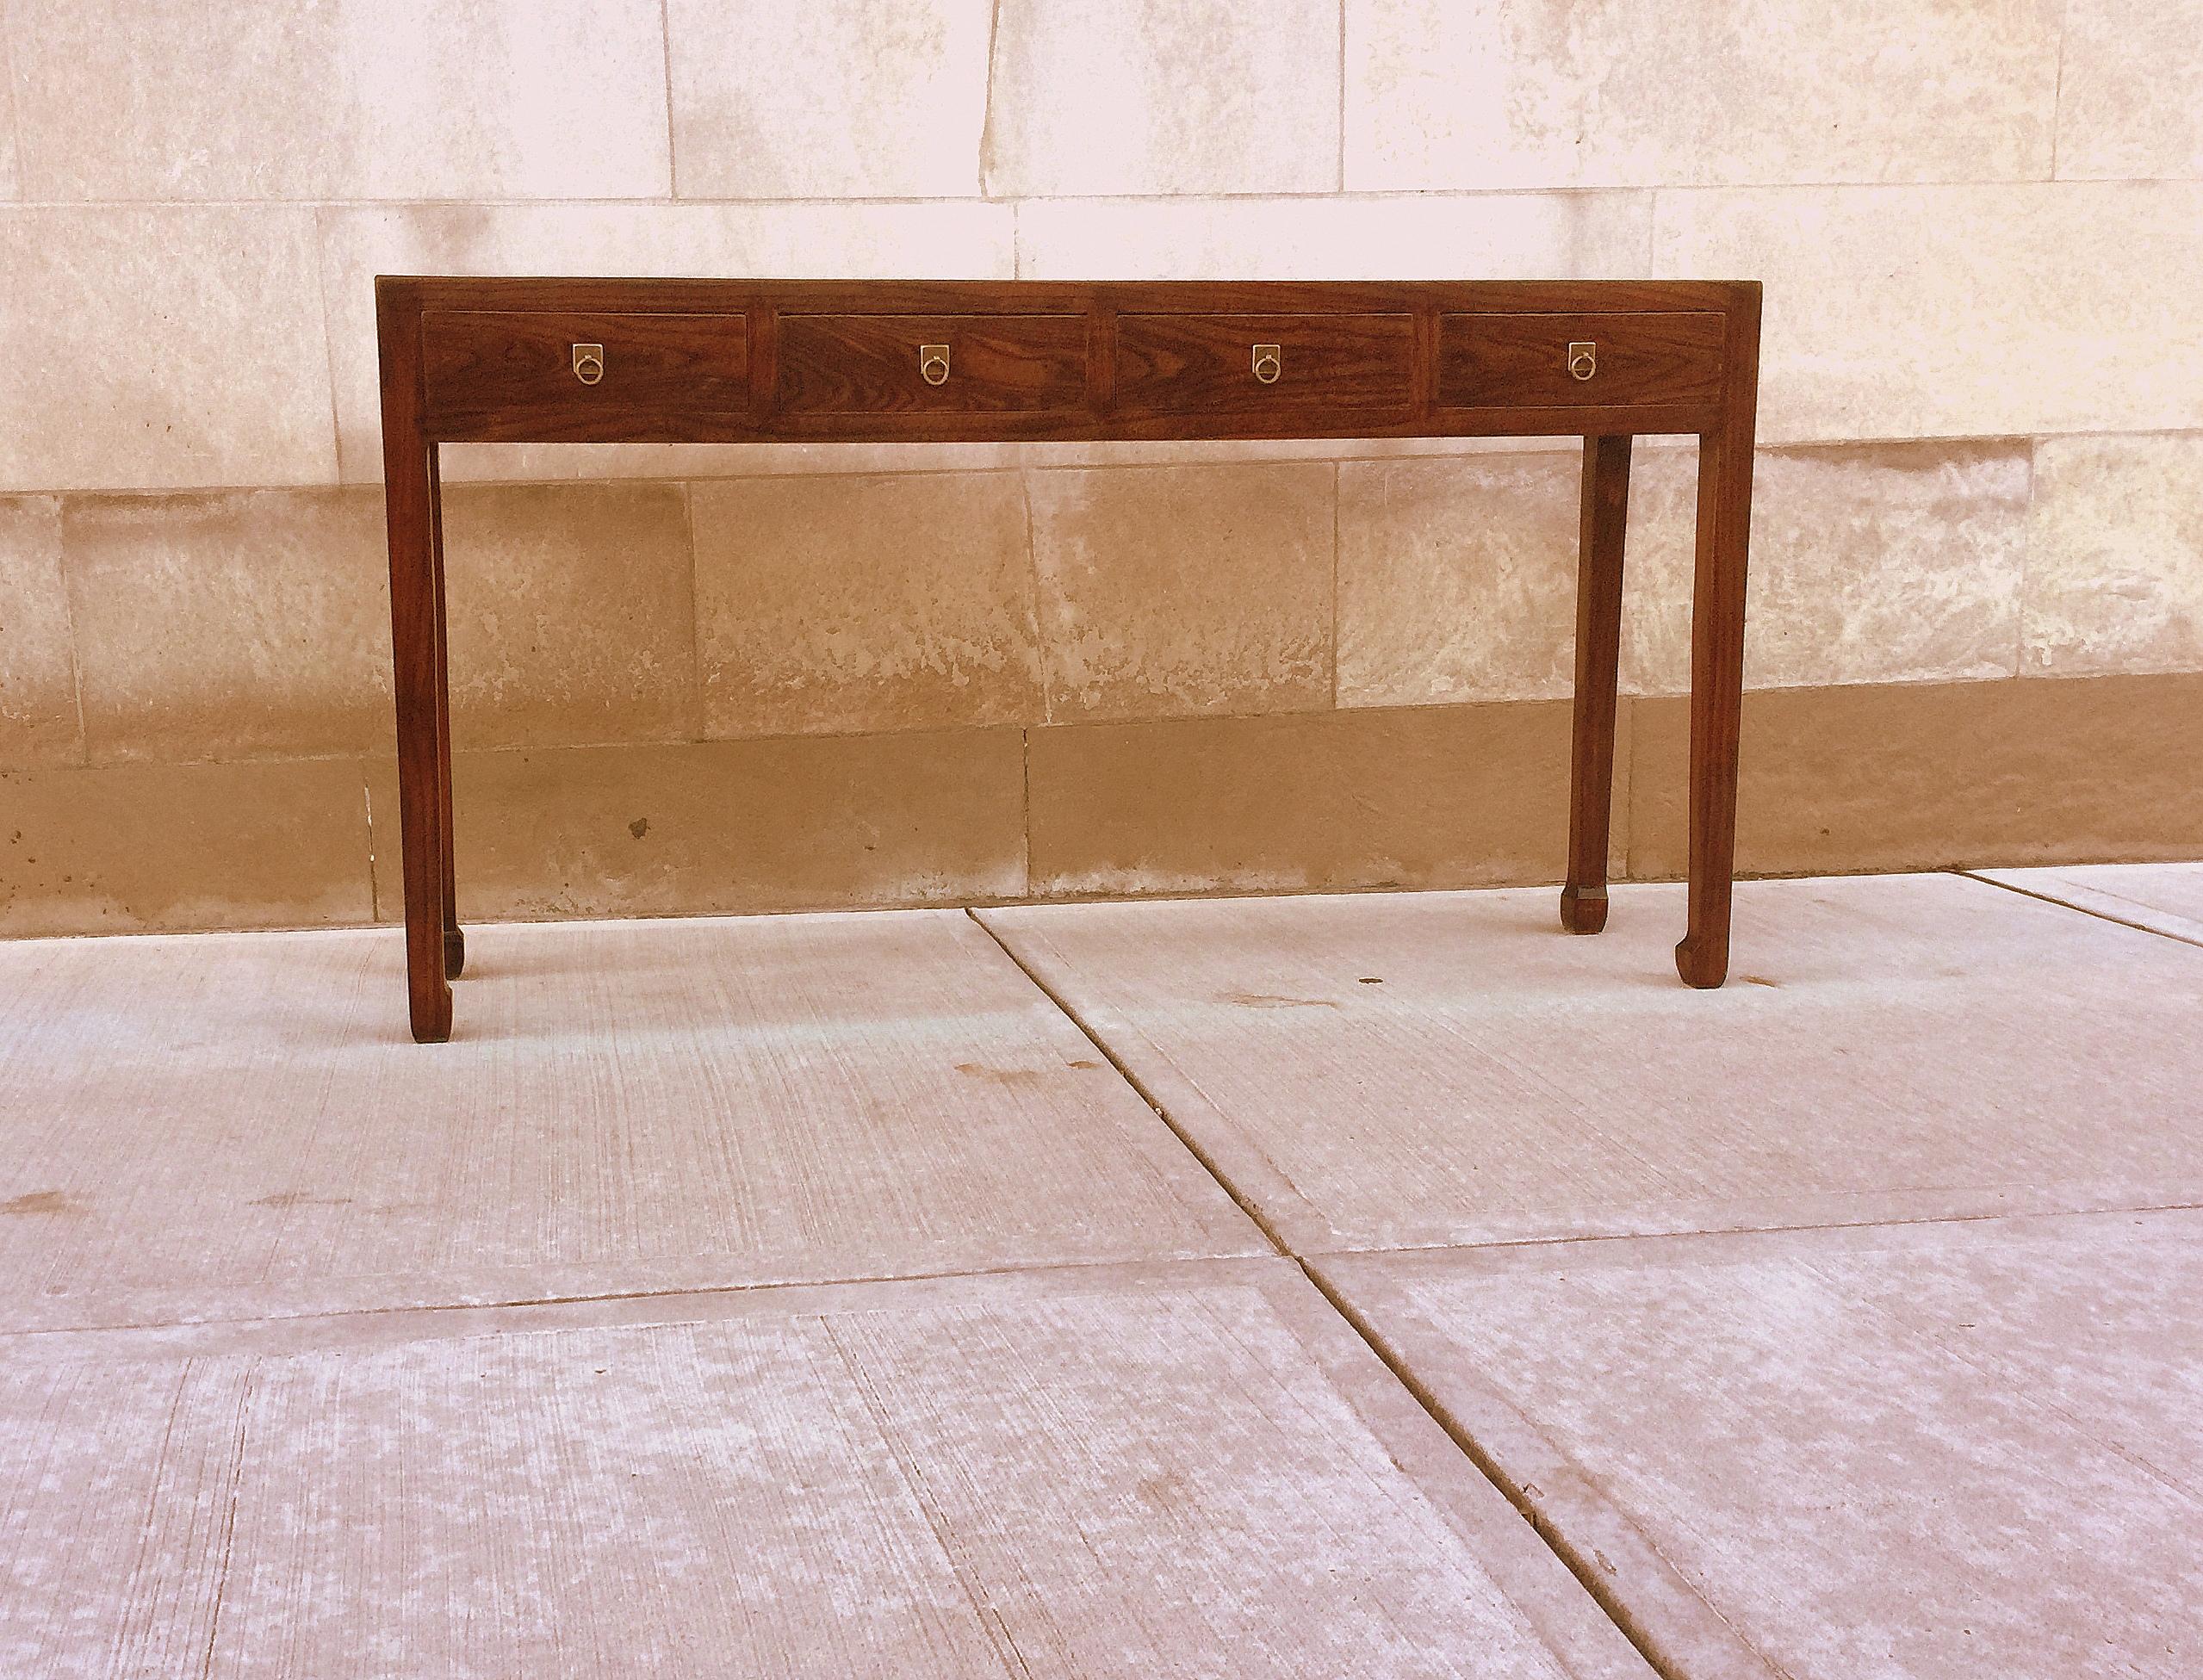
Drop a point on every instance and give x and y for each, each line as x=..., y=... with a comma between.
x=690, y=678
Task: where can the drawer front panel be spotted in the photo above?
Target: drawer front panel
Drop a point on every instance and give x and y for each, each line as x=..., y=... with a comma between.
x=932, y=364
x=558, y=377
x=1525, y=361
x=1246, y=367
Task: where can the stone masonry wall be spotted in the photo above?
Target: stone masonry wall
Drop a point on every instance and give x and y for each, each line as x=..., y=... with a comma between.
x=769, y=676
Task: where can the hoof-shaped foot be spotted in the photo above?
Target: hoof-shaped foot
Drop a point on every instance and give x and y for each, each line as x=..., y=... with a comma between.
x=455, y=953
x=1583, y=909
x=1700, y=968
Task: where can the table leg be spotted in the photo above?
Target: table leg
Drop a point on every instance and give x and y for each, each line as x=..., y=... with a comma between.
x=1716, y=696
x=1599, y=655
x=455, y=942
x=416, y=643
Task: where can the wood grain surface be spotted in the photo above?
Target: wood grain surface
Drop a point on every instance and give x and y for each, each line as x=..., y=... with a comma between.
x=1490, y=360
x=1604, y=514
x=870, y=364
x=1032, y=359
x=509, y=376
x=1337, y=364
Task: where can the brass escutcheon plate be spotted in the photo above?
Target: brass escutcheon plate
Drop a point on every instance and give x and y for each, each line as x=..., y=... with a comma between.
x=1269, y=362
x=933, y=363
x=588, y=363
x=1583, y=358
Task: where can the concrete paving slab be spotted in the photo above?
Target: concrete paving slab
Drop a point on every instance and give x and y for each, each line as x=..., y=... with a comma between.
x=1392, y=1070
x=1937, y=1450
x=2165, y=898
x=222, y=1125
x=1197, y=1471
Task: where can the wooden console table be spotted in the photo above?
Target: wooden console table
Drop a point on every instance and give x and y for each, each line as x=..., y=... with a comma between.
x=742, y=361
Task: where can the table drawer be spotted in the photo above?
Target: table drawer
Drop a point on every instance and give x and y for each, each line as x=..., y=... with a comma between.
x=1578, y=361
x=1245, y=366
x=942, y=364
x=494, y=375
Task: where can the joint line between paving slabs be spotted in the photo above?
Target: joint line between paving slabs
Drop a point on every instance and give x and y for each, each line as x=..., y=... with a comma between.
x=1584, y=1568
x=1244, y=1203
x=1593, y=1572
x=2085, y=909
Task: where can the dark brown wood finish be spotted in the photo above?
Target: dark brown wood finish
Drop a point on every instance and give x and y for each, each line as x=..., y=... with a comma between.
x=508, y=375
x=410, y=499
x=1717, y=649
x=1598, y=657
x=706, y=361
x=903, y=407
x=455, y=942
x=1630, y=360
x=877, y=365
x=1352, y=366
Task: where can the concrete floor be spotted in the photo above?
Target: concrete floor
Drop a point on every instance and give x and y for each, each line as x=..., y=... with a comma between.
x=1179, y=1289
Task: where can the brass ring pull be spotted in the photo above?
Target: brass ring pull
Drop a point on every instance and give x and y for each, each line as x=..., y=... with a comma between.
x=1583, y=359
x=1269, y=363
x=588, y=363
x=933, y=363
